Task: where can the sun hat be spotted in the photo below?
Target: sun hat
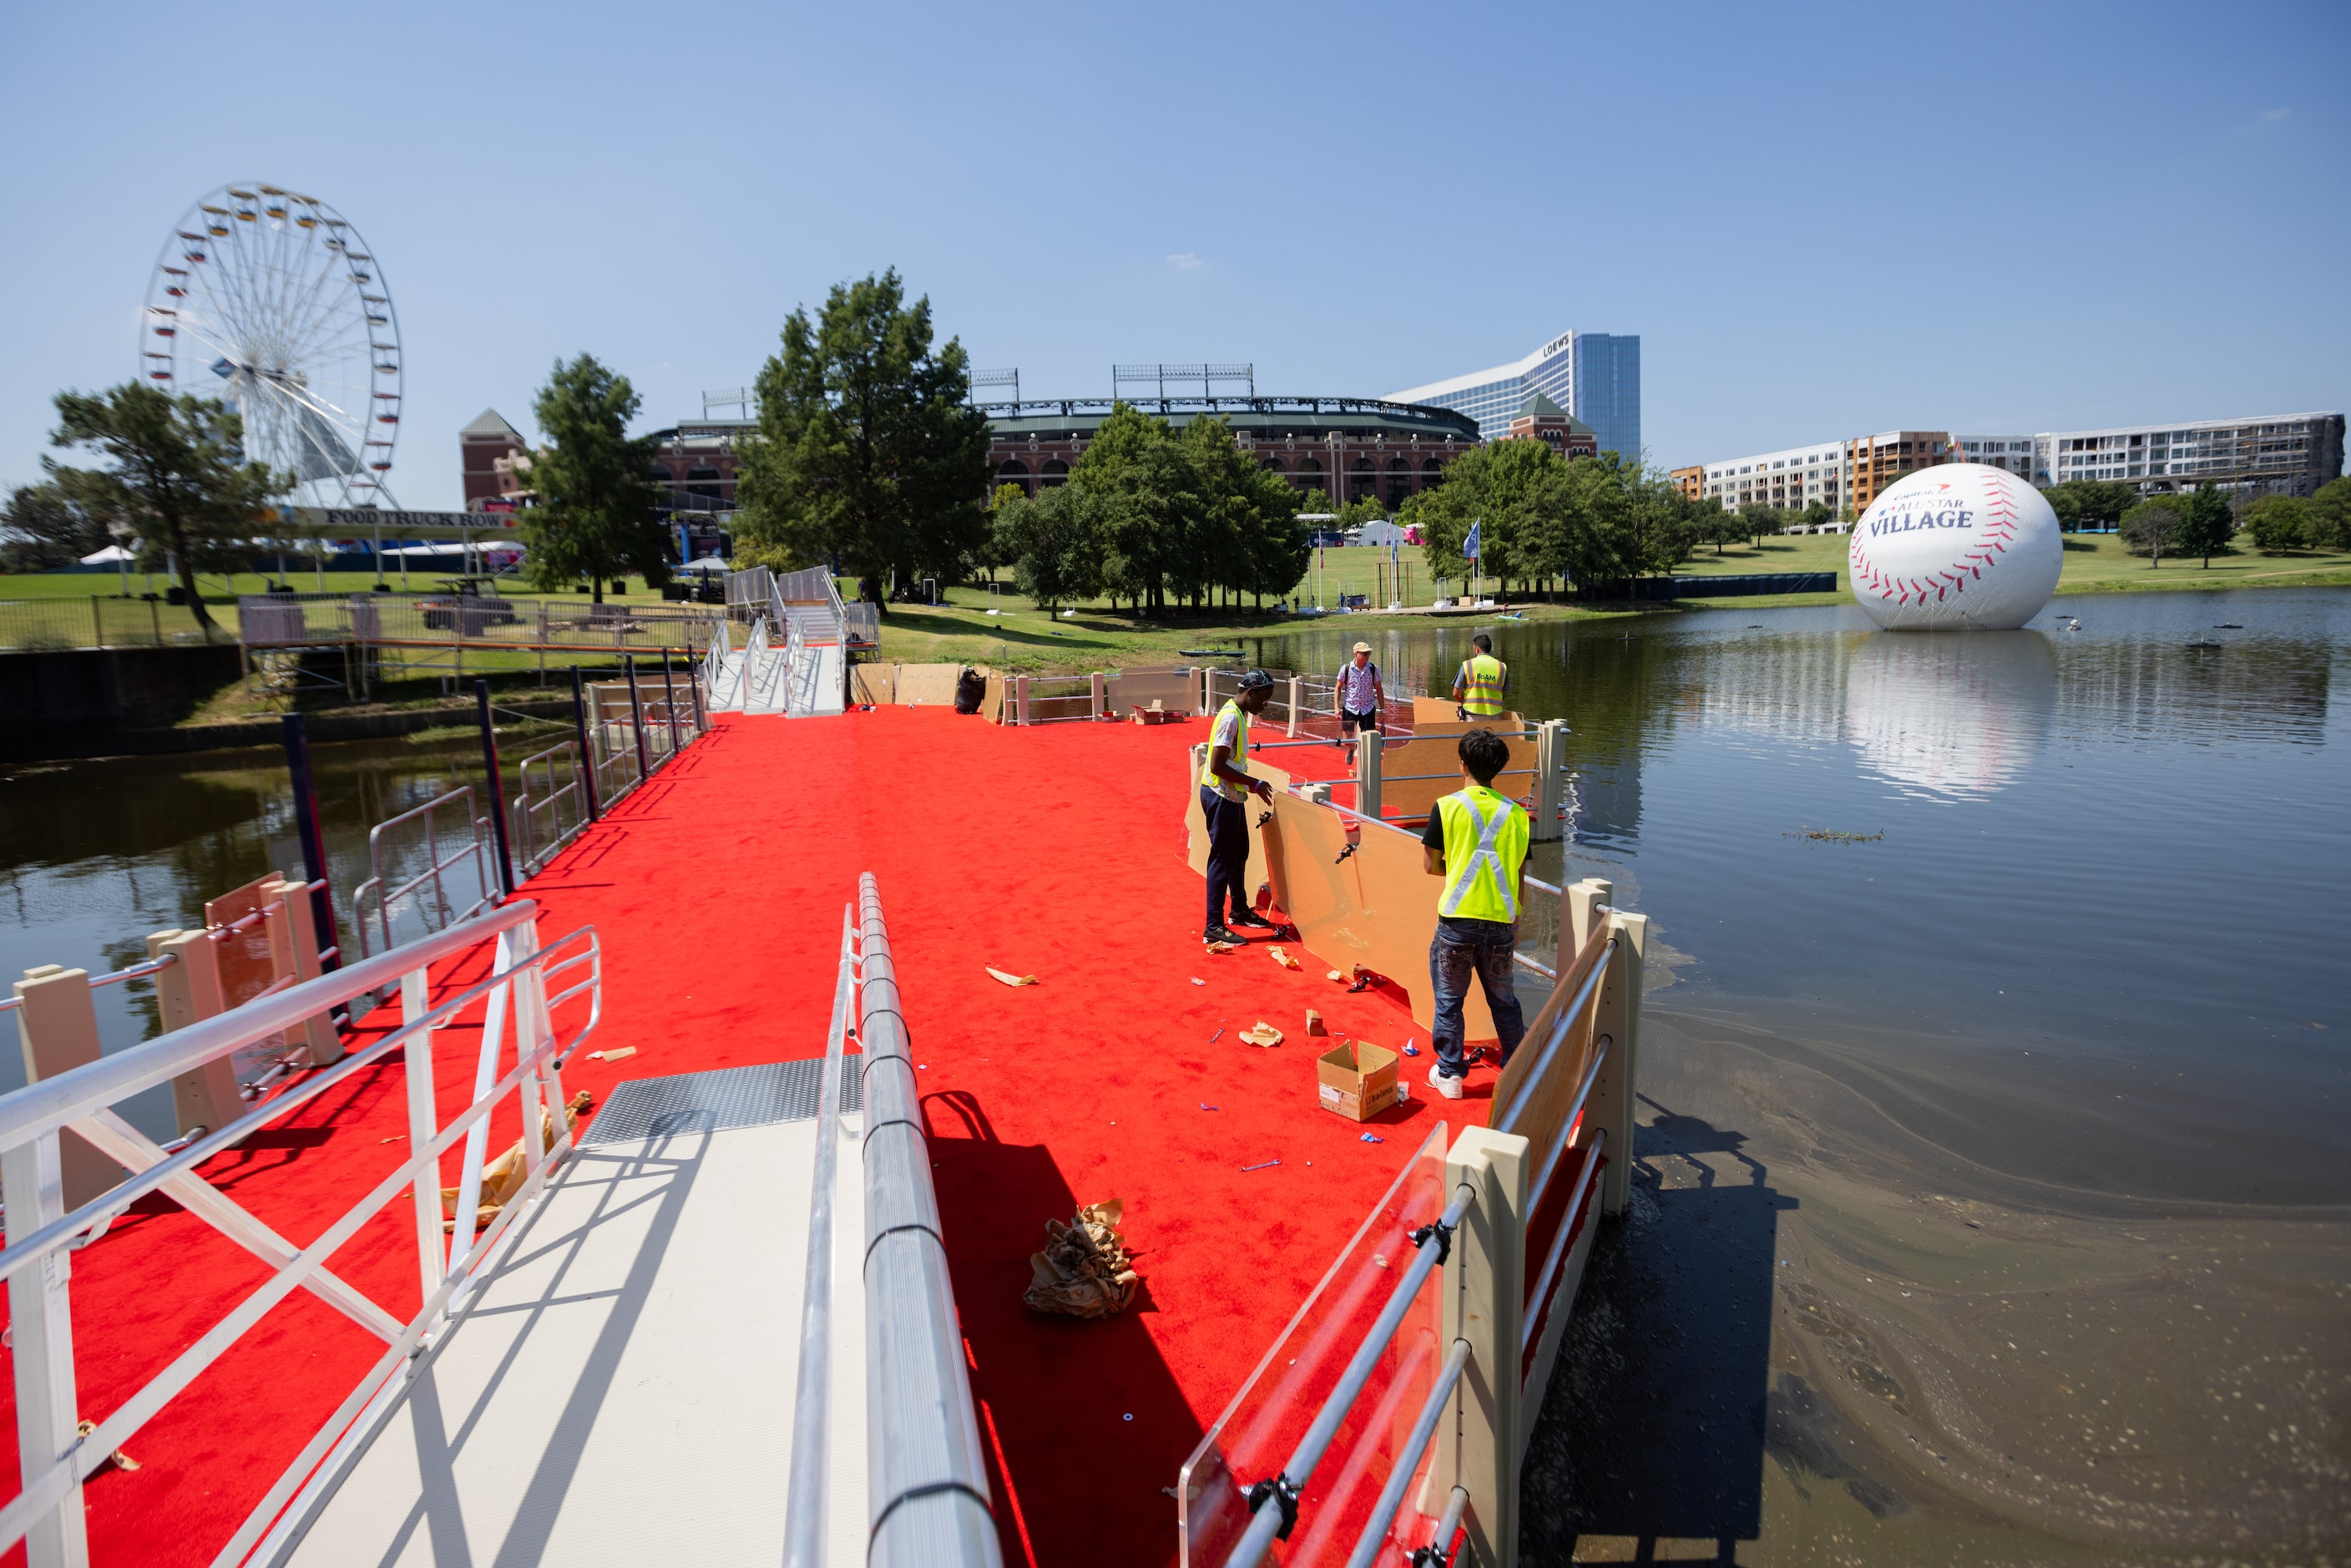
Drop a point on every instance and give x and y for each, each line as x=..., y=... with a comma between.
x=1363, y=647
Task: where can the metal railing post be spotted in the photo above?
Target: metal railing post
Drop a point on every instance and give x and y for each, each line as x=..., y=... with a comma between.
x=1551, y=764
x=1021, y=699
x=580, y=728
x=40, y=1319
x=1295, y=687
x=669, y=704
x=1618, y=1014
x=636, y=716
x=1579, y=907
x=187, y=992
x=1101, y=694
x=498, y=799
x=1484, y=1300
x=1368, y=775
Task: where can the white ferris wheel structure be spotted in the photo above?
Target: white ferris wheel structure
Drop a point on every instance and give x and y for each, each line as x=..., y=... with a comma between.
x=270, y=301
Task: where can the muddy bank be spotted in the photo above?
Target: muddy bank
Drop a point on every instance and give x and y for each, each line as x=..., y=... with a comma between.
x=1827, y=1335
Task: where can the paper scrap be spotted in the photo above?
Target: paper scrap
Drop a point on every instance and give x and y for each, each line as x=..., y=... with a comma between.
x=1197, y=981
x=1264, y=1034
x=620, y=1054
x=1013, y=979
x=1281, y=956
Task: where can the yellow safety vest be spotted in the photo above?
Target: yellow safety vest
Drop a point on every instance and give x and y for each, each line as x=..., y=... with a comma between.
x=1483, y=699
x=1240, y=758
x=1485, y=843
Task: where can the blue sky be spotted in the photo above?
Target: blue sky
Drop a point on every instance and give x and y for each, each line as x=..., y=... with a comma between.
x=1822, y=221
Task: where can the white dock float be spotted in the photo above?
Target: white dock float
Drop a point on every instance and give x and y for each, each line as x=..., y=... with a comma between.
x=620, y=1390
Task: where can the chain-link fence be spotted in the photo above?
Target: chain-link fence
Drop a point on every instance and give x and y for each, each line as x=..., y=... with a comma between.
x=101, y=620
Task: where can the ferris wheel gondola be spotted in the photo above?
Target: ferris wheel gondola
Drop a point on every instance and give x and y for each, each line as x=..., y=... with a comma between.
x=270, y=301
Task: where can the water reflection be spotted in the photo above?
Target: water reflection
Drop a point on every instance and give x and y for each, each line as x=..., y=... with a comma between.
x=1953, y=717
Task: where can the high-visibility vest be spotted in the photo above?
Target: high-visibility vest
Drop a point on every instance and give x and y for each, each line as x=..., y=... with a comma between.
x=1240, y=758
x=1485, y=843
x=1484, y=697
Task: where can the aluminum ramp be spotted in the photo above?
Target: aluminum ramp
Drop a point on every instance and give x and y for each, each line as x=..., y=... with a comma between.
x=620, y=1391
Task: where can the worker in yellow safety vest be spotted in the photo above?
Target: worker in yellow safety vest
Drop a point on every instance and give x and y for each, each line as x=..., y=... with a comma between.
x=1479, y=685
x=1477, y=841
x=1225, y=789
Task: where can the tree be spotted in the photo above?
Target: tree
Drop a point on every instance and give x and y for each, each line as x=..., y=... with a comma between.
x=593, y=511
x=2278, y=524
x=1136, y=470
x=1242, y=517
x=2091, y=503
x=997, y=549
x=869, y=455
x=2153, y=526
x=1053, y=541
x=1817, y=514
x=180, y=479
x=2205, y=525
x=2328, y=515
x=1710, y=524
x=53, y=524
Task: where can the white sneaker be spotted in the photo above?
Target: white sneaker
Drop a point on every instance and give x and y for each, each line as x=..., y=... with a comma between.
x=1437, y=1079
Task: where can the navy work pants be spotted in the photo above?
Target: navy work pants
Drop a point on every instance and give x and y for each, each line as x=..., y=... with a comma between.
x=1462, y=949
x=1229, y=849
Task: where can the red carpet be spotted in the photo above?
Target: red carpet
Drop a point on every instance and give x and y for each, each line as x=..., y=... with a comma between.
x=718, y=891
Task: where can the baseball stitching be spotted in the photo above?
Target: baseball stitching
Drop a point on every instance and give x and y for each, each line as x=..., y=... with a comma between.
x=1999, y=533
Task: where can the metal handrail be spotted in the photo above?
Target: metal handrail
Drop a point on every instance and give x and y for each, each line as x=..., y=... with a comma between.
x=1267, y=1522
x=927, y=1486
x=526, y=811
x=804, y=1491
x=1407, y=1461
x=1562, y=1022
x=1547, y=1277
x=136, y=971
x=435, y=865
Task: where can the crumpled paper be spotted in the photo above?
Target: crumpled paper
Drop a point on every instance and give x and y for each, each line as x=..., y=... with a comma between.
x=1085, y=1271
x=503, y=1177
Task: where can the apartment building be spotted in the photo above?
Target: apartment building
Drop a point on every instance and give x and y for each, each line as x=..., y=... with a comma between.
x=2287, y=454
x=1791, y=480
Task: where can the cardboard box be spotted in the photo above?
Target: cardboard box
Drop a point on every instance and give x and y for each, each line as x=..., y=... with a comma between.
x=1357, y=1079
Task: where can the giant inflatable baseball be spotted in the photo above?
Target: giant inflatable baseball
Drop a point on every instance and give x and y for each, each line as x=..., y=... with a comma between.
x=1956, y=547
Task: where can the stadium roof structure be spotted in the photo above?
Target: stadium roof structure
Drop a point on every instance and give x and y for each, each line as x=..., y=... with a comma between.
x=1353, y=416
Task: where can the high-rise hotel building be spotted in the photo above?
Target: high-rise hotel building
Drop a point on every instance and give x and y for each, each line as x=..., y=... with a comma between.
x=1594, y=376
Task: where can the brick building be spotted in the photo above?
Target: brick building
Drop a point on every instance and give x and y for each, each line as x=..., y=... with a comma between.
x=481, y=447
x=1346, y=448
x=1540, y=419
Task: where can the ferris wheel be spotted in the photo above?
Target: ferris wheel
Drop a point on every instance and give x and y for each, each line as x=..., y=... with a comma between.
x=270, y=301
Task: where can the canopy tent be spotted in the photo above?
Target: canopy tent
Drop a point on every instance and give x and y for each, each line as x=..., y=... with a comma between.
x=110, y=556
x=708, y=564
x=482, y=546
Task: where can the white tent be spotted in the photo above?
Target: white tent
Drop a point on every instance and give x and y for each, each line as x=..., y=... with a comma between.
x=111, y=555
x=708, y=564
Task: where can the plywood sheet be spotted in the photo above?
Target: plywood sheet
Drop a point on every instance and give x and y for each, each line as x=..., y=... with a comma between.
x=1195, y=821
x=992, y=702
x=1129, y=689
x=1443, y=715
x=1404, y=793
x=873, y=683
x=1377, y=908
x=926, y=685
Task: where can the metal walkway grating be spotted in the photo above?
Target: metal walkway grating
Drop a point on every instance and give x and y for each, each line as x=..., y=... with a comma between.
x=718, y=1099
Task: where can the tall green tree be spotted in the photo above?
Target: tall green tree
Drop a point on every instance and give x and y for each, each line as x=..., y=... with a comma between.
x=594, y=511
x=868, y=455
x=179, y=477
x=1053, y=542
x=1244, y=517
x=2206, y=525
x=1136, y=472
x=2278, y=524
x=2091, y=503
x=2330, y=516
x=2152, y=528
x=54, y=523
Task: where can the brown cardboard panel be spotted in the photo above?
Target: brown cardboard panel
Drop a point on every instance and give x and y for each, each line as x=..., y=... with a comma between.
x=1427, y=711
x=927, y=685
x=1131, y=689
x=1196, y=822
x=873, y=683
x=1402, y=794
x=991, y=703
x=1377, y=908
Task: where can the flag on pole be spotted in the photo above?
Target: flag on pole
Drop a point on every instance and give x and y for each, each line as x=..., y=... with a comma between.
x=1469, y=545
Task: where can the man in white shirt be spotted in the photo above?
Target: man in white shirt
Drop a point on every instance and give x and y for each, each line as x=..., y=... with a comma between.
x=1360, y=695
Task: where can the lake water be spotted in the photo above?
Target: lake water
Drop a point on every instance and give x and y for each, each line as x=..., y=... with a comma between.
x=1996, y=1171
x=1992, y=1188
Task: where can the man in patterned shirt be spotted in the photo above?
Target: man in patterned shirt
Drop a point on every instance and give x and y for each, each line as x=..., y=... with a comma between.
x=1225, y=790
x=1360, y=695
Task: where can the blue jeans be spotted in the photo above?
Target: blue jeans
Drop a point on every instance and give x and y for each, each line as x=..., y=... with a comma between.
x=1461, y=948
